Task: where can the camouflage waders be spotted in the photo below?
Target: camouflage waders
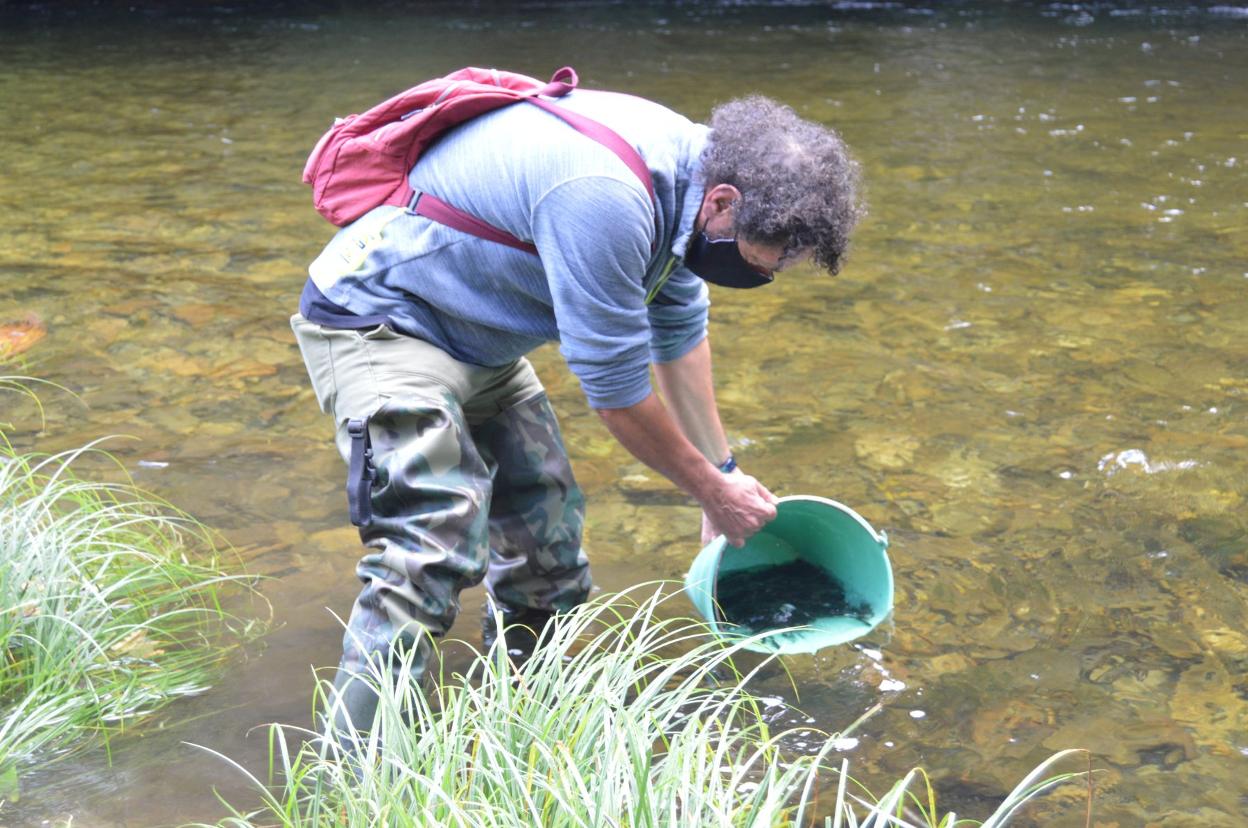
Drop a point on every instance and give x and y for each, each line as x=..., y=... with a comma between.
x=471, y=482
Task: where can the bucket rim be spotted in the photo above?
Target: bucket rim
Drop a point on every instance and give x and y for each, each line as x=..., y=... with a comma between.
x=880, y=537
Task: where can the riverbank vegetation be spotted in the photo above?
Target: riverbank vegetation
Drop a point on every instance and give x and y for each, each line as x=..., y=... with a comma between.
x=624, y=718
x=112, y=604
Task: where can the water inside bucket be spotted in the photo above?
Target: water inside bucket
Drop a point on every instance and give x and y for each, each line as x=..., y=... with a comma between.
x=793, y=594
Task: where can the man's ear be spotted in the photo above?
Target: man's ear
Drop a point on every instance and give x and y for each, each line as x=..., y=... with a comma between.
x=716, y=208
x=721, y=198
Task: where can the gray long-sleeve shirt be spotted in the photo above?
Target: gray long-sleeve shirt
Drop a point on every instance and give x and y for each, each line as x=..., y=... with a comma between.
x=602, y=243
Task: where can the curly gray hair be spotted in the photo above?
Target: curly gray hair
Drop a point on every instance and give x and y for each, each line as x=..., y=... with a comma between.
x=799, y=184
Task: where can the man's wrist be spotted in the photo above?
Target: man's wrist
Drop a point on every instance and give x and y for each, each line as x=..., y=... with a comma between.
x=729, y=465
x=707, y=482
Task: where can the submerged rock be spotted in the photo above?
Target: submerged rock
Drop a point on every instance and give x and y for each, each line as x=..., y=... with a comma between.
x=20, y=335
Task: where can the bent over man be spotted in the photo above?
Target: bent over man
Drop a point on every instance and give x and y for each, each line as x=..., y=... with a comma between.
x=414, y=335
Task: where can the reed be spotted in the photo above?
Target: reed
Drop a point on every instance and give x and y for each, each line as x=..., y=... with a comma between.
x=624, y=718
x=110, y=607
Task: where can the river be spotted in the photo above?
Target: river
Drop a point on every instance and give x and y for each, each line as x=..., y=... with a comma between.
x=1032, y=373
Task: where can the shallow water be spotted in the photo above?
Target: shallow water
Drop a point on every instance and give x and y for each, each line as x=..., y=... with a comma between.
x=1032, y=373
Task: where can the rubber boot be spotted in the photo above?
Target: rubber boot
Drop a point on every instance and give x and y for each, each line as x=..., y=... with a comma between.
x=524, y=631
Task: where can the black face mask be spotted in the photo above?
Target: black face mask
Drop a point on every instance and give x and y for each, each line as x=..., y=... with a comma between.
x=719, y=262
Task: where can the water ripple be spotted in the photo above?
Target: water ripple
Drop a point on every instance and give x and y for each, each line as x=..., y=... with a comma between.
x=1115, y=462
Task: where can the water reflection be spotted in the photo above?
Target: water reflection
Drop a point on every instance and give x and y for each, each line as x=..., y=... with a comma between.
x=1032, y=372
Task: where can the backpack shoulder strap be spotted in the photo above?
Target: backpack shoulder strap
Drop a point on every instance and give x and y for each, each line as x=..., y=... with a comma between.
x=435, y=209
x=604, y=135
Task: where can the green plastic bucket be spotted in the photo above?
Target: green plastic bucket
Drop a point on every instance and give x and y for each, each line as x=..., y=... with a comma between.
x=820, y=532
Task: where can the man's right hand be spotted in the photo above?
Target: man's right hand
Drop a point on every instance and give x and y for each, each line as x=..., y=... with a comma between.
x=735, y=504
x=738, y=507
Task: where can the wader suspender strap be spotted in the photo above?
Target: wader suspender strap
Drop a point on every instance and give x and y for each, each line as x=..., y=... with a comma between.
x=662, y=280
x=435, y=209
x=360, y=473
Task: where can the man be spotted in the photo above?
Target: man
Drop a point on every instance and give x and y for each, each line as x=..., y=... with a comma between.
x=414, y=335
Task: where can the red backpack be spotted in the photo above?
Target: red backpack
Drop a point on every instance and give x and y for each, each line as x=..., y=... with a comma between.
x=363, y=161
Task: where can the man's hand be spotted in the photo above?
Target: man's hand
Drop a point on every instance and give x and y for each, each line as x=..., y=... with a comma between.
x=737, y=509
x=736, y=505
x=708, y=530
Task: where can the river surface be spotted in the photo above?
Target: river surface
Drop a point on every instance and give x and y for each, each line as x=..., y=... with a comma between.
x=1033, y=372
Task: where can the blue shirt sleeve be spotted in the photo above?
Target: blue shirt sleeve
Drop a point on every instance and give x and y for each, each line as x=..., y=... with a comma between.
x=594, y=235
x=678, y=316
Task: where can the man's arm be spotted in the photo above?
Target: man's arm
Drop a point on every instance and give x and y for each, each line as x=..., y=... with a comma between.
x=689, y=392
x=736, y=504
x=605, y=335
x=687, y=389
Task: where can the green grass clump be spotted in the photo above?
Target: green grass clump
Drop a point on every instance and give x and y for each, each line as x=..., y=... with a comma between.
x=624, y=718
x=110, y=606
